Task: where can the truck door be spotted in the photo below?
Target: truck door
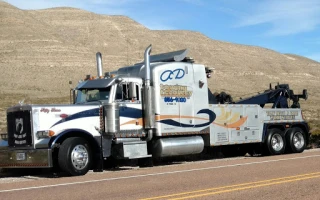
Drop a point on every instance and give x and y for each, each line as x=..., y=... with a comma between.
x=128, y=95
x=186, y=99
x=186, y=109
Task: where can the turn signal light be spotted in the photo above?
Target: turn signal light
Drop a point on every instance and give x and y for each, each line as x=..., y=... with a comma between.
x=51, y=133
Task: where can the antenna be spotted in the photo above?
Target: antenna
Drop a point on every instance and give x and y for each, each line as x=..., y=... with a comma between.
x=71, y=91
x=127, y=51
x=127, y=42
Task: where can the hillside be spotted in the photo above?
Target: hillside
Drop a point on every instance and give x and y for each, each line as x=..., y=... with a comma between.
x=41, y=50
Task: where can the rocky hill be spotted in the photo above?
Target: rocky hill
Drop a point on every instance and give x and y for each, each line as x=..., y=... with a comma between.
x=41, y=50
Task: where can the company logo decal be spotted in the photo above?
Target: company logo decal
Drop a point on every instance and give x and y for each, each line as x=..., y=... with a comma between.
x=172, y=74
x=174, y=91
x=282, y=115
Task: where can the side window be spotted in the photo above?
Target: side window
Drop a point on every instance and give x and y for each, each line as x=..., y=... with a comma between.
x=123, y=92
x=119, y=93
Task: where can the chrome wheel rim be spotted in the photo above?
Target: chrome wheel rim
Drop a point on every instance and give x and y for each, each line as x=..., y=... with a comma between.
x=277, y=142
x=79, y=157
x=298, y=140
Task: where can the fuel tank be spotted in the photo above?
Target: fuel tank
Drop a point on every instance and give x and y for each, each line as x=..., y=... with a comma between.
x=177, y=146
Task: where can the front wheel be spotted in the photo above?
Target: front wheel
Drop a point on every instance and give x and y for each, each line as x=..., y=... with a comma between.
x=275, y=142
x=75, y=156
x=296, y=140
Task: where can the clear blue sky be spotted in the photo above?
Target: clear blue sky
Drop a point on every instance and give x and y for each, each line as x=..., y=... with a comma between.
x=286, y=26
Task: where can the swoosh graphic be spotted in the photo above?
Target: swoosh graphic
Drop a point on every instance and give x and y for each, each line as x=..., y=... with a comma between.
x=86, y=113
x=210, y=113
x=236, y=124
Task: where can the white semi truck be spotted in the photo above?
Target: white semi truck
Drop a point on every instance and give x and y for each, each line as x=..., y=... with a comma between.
x=157, y=108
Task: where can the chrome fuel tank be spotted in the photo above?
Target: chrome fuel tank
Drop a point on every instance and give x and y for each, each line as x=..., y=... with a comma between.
x=178, y=146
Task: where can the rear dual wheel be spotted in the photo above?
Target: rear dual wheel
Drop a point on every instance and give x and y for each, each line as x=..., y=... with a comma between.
x=296, y=140
x=275, y=143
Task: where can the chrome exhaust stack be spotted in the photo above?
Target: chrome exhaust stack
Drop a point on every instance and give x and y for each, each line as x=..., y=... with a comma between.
x=99, y=64
x=149, y=117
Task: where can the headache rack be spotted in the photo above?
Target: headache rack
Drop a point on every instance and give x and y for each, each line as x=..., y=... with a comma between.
x=174, y=56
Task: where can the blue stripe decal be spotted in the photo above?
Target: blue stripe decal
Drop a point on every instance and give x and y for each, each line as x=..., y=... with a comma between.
x=87, y=113
x=212, y=117
x=124, y=112
x=135, y=113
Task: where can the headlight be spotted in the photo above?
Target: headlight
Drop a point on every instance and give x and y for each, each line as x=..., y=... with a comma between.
x=45, y=134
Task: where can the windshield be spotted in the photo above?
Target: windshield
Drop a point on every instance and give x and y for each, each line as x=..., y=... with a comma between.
x=89, y=95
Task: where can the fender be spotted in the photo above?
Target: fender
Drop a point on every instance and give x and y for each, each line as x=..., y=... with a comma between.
x=75, y=133
x=282, y=126
x=268, y=126
x=96, y=143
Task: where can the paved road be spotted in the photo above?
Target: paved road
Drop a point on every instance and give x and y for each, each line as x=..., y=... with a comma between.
x=293, y=176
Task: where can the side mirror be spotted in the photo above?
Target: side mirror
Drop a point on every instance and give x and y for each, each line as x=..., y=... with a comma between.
x=74, y=94
x=132, y=91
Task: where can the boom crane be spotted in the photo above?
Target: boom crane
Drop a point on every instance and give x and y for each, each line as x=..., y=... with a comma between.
x=278, y=96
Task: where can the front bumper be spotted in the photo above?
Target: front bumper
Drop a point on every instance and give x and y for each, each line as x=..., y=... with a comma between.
x=35, y=158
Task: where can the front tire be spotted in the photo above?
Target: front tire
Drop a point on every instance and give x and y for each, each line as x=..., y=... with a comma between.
x=75, y=156
x=275, y=142
x=296, y=139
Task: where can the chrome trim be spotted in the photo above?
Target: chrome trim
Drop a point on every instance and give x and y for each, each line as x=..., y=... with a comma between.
x=79, y=157
x=37, y=158
x=99, y=64
x=147, y=62
x=298, y=140
x=177, y=146
x=277, y=142
x=111, y=118
x=19, y=108
x=123, y=140
x=149, y=116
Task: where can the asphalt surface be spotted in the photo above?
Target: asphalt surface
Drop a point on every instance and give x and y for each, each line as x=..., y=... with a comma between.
x=291, y=176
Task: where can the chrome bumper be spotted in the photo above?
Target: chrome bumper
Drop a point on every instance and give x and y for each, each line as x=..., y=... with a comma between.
x=35, y=158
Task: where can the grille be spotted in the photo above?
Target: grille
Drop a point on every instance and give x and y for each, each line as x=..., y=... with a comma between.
x=19, y=128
